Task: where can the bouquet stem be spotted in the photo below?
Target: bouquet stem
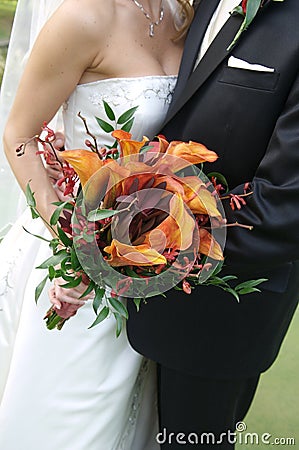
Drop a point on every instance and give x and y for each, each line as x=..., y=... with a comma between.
x=53, y=320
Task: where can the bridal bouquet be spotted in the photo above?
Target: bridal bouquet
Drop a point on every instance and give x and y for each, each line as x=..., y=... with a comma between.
x=144, y=220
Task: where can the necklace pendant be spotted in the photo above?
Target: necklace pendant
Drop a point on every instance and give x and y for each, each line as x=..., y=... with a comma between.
x=151, y=29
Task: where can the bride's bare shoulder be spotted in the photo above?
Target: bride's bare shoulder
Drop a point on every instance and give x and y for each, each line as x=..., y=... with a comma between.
x=90, y=16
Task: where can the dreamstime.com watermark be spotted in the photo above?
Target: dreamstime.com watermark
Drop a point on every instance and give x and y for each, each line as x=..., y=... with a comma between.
x=240, y=437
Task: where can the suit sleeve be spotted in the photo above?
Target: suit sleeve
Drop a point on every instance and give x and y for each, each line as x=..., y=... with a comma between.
x=273, y=208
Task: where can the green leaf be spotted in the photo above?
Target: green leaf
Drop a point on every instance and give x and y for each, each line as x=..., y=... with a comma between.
x=65, y=205
x=39, y=288
x=100, y=214
x=52, y=273
x=34, y=213
x=231, y=291
x=220, y=179
x=217, y=269
x=127, y=115
x=215, y=281
x=100, y=317
x=88, y=290
x=71, y=284
x=251, y=11
x=109, y=111
x=128, y=125
x=248, y=290
x=137, y=302
x=118, y=306
x=229, y=278
x=119, y=323
x=105, y=125
x=65, y=265
x=99, y=294
x=88, y=237
x=75, y=261
x=37, y=235
x=53, y=260
x=239, y=10
x=250, y=283
x=68, y=242
x=64, y=275
x=54, y=243
x=55, y=216
x=131, y=273
x=30, y=196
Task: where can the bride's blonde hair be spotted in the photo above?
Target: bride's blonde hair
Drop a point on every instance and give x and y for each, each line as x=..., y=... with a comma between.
x=184, y=18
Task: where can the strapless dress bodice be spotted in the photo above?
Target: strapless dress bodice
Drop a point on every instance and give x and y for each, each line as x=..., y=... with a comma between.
x=151, y=94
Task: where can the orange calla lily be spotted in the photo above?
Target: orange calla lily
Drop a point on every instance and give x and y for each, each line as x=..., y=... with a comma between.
x=127, y=146
x=198, y=198
x=121, y=134
x=209, y=246
x=132, y=255
x=179, y=155
x=177, y=228
x=193, y=152
x=98, y=177
x=163, y=143
x=85, y=162
x=172, y=184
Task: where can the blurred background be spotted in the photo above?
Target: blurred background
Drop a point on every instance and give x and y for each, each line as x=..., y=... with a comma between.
x=7, y=9
x=276, y=406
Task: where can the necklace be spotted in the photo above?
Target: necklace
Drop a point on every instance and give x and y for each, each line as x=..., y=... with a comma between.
x=149, y=17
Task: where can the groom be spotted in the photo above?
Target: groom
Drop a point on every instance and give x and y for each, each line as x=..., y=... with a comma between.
x=209, y=348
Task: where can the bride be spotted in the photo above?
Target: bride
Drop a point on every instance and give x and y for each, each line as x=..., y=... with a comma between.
x=78, y=389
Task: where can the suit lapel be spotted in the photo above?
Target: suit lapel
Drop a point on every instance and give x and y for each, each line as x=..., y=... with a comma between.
x=213, y=57
x=196, y=33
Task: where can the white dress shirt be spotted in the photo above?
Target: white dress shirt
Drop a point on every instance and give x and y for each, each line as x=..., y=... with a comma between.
x=220, y=16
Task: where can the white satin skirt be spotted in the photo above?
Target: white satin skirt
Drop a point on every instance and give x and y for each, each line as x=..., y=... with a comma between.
x=74, y=389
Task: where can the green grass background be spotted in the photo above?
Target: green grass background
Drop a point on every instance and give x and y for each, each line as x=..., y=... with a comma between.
x=275, y=409
x=7, y=9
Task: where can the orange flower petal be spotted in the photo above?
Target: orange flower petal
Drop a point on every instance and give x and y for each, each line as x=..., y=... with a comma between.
x=85, y=162
x=177, y=228
x=130, y=147
x=209, y=246
x=188, y=153
x=121, y=134
x=132, y=255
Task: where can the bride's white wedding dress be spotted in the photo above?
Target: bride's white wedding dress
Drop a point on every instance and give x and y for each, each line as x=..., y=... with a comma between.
x=74, y=389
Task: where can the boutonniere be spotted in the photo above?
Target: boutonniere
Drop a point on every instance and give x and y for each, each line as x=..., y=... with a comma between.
x=248, y=9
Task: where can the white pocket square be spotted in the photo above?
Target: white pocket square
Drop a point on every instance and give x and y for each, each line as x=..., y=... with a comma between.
x=241, y=64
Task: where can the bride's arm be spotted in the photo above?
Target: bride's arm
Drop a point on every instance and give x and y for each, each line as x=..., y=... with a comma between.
x=66, y=47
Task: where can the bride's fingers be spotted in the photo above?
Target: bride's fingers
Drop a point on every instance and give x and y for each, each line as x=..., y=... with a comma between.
x=67, y=310
x=60, y=193
x=59, y=140
x=76, y=291
x=54, y=172
x=52, y=296
x=71, y=295
x=65, y=297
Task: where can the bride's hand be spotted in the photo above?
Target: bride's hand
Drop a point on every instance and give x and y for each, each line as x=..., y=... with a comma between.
x=67, y=300
x=54, y=168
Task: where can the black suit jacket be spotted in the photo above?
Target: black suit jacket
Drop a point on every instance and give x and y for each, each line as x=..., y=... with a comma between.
x=251, y=119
